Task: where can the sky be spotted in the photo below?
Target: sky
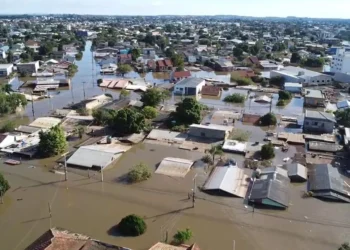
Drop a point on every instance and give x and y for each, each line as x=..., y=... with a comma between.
x=260, y=8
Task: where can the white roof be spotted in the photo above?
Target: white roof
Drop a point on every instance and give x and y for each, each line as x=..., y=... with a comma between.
x=45, y=122
x=343, y=104
x=293, y=84
x=297, y=169
x=5, y=66
x=175, y=167
x=166, y=135
x=213, y=127
x=235, y=146
x=231, y=180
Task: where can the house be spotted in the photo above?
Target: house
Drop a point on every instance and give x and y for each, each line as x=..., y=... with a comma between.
x=268, y=66
x=304, y=76
x=318, y=122
x=189, y=86
x=18, y=46
x=59, y=239
x=211, y=90
x=252, y=60
x=29, y=68
x=124, y=58
x=314, y=98
x=33, y=45
x=325, y=182
x=293, y=87
x=211, y=131
x=69, y=58
x=246, y=73
x=149, y=52
x=223, y=65
x=296, y=172
x=6, y=140
x=58, y=55
x=160, y=66
x=271, y=189
x=179, y=75
x=5, y=69
x=164, y=246
x=151, y=65
x=345, y=104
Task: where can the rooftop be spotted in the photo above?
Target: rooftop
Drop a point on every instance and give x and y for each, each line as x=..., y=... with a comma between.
x=296, y=71
x=319, y=115
x=190, y=82
x=313, y=93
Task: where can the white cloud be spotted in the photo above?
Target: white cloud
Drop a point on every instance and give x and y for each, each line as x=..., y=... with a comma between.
x=157, y=3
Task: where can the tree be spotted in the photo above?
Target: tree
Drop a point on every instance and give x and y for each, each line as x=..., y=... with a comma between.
x=102, y=116
x=124, y=93
x=267, y=151
x=268, y=120
x=124, y=69
x=9, y=57
x=6, y=88
x=52, y=142
x=80, y=130
x=139, y=172
x=127, y=121
x=132, y=225
x=72, y=69
x=182, y=236
x=135, y=53
x=187, y=112
x=284, y=95
x=10, y=102
x=296, y=58
x=237, y=52
x=343, y=117
x=215, y=150
x=344, y=246
x=152, y=97
x=277, y=81
x=4, y=185
x=241, y=81
x=178, y=61
x=235, y=98
x=149, y=112
x=9, y=126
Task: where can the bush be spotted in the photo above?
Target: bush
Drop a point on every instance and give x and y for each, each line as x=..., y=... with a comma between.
x=241, y=81
x=267, y=151
x=83, y=111
x=132, y=225
x=240, y=135
x=277, y=81
x=4, y=185
x=284, y=95
x=140, y=172
x=182, y=236
x=179, y=128
x=268, y=120
x=9, y=126
x=207, y=159
x=149, y=112
x=282, y=103
x=235, y=98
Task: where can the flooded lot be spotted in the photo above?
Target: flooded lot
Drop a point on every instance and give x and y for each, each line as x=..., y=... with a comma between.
x=91, y=207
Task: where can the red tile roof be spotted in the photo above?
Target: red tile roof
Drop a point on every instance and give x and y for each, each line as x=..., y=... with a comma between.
x=254, y=60
x=151, y=64
x=160, y=63
x=211, y=90
x=182, y=74
x=168, y=63
x=244, y=73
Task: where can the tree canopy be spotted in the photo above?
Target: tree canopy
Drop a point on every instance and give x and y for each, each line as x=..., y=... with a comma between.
x=267, y=151
x=152, y=97
x=135, y=53
x=124, y=69
x=138, y=173
x=127, y=121
x=296, y=58
x=182, y=236
x=4, y=184
x=9, y=102
x=277, y=81
x=132, y=225
x=344, y=246
x=268, y=120
x=149, y=112
x=187, y=112
x=343, y=117
x=52, y=142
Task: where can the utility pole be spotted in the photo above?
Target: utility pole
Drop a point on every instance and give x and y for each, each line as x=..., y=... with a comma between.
x=271, y=106
x=33, y=106
x=194, y=191
x=234, y=245
x=65, y=166
x=101, y=173
x=49, y=206
x=84, y=90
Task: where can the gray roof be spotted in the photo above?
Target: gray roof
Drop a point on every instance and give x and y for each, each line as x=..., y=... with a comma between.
x=27, y=129
x=325, y=181
x=190, y=82
x=296, y=169
x=296, y=71
x=319, y=115
x=313, y=93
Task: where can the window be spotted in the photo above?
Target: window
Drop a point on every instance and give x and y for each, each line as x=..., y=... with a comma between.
x=322, y=80
x=202, y=134
x=318, y=81
x=315, y=123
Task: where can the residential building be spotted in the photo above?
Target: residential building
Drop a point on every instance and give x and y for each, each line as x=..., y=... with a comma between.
x=345, y=104
x=163, y=65
x=6, y=140
x=223, y=65
x=318, y=122
x=179, y=75
x=164, y=246
x=5, y=69
x=252, y=60
x=124, y=58
x=211, y=131
x=314, y=98
x=18, y=46
x=268, y=66
x=325, y=182
x=341, y=61
x=293, y=87
x=300, y=75
x=33, y=45
x=211, y=90
x=189, y=86
x=58, y=55
x=29, y=68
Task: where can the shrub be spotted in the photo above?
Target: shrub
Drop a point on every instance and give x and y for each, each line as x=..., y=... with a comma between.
x=235, y=98
x=284, y=95
x=241, y=81
x=132, y=225
x=149, y=112
x=179, y=128
x=268, y=120
x=83, y=111
x=140, y=172
x=9, y=126
x=207, y=159
x=182, y=236
x=281, y=103
x=4, y=185
x=267, y=151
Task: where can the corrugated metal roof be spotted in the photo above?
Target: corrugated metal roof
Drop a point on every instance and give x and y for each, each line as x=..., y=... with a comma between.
x=231, y=180
x=190, y=82
x=166, y=135
x=45, y=122
x=212, y=127
x=319, y=115
x=296, y=169
x=176, y=167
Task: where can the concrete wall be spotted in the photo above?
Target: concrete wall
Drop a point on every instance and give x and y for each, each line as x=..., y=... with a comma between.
x=315, y=102
x=319, y=126
x=28, y=67
x=208, y=133
x=320, y=80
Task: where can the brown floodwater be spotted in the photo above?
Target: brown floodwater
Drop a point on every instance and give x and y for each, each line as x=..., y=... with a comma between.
x=91, y=207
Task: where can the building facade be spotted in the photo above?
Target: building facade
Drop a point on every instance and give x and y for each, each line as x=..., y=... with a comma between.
x=318, y=122
x=5, y=69
x=341, y=61
x=28, y=68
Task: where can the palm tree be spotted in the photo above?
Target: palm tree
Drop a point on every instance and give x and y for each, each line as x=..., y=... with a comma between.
x=216, y=150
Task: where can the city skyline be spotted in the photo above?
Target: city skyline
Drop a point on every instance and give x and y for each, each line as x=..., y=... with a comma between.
x=298, y=8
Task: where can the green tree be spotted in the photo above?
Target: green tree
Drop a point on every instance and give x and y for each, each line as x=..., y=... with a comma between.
x=296, y=58
x=277, y=81
x=138, y=173
x=237, y=52
x=6, y=88
x=4, y=185
x=152, y=97
x=9, y=57
x=149, y=112
x=135, y=53
x=124, y=69
x=10, y=102
x=182, y=236
x=132, y=225
x=127, y=121
x=284, y=95
x=72, y=69
x=235, y=98
x=9, y=126
x=187, y=112
x=216, y=150
x=241, y=81
x=268, y=120
x=343, y=117
x=267, y=151
x=344, y=246
x=124, y=93
x=80, y=130
x=52, y=142
x=102, y=116
x=178, y=61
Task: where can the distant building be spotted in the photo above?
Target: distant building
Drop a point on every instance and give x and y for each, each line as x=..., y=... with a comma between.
x=293, y=87
x=319, y=122
x=211, y=131
x=314, y=98
x=189, y=86
x=211, y=90
x=29, y=68
x=179, y=75
x=223, y=65
x=5, y=69
x=341, y=61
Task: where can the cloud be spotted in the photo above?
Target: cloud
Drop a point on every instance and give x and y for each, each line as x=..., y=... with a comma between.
x=157, y=3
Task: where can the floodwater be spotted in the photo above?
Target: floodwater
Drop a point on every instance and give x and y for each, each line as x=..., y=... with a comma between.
x=93, y=208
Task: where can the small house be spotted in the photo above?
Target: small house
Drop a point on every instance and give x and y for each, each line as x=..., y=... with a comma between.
x=189, y=86
x=179, y=75
x=318, y=122
x=314, y=98
x=211, y=131
x=296, y=172
x=211, y=90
